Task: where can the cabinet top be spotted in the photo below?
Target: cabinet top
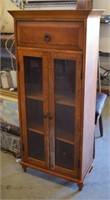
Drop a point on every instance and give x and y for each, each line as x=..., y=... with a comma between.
x=55, y=14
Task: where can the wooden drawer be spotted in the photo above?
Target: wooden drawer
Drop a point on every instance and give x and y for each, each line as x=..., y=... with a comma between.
x=67, y=35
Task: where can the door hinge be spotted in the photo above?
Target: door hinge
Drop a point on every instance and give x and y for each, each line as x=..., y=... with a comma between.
x=81, y=76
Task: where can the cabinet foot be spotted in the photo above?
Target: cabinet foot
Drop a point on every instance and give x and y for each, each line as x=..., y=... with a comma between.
x=24, y=168
x=80, y=185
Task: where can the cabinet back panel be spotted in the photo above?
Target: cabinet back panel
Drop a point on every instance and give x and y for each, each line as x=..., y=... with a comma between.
x=35, y=145
x=64, y=155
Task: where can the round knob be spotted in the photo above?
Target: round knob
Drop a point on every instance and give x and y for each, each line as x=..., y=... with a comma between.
x=50, y=117
x=47, y=37
x=45, y=115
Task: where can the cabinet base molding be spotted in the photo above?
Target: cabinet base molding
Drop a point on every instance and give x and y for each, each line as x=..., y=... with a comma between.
x=80, y=183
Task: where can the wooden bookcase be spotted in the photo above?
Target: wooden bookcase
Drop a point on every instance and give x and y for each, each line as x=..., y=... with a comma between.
x=57, y=53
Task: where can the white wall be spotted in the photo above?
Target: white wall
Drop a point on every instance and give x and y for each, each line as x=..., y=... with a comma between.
x=6, y=20
x=102, y=4
x=104, y=44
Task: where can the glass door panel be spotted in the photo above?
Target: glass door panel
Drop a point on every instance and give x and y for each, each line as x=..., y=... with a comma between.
x=33, y=77
x=64, y=155
x=64, y=81
x=33, y=72
x=36, y=145
x=64, y=86
x=35, y=115
x=64, y=119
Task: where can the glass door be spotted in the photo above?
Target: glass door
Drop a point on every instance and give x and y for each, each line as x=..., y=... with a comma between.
x=66, y=109
x=65, y=80
x=34, y=106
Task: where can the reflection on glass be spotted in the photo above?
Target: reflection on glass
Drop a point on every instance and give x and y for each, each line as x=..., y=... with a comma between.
x=65, y=123
x=34, y=115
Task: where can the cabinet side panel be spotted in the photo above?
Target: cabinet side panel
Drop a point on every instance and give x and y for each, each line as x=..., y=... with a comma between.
x=91, y=65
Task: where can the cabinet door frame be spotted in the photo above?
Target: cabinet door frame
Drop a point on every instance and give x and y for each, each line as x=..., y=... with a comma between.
x=79, y=67
x=22, y=102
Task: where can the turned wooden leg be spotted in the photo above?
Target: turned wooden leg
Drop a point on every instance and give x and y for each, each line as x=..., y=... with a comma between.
x=24, y=168
x=80, y=185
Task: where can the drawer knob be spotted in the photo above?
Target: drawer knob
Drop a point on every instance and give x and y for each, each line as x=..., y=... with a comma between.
x=45, y=115
x=47, y=37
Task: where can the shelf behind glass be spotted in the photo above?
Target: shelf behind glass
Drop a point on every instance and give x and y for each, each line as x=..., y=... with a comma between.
x=34, y=92
x=35, y=95
x=36, y=127
x=68, y=100
x=65, y=137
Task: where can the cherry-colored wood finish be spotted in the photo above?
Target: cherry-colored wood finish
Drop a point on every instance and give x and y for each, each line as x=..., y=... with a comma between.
x=48, y=34
x=52, y=36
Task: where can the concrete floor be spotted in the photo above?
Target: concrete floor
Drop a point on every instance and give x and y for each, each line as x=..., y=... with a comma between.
x=15, y=184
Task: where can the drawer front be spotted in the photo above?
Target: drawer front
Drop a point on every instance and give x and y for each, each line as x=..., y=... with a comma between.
x=67, y=35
